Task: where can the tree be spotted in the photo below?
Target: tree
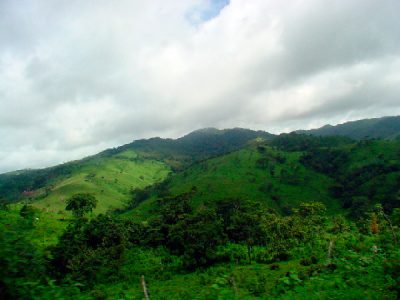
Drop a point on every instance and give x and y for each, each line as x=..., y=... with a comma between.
x=90, y=251
x=27, y=212
x=241, y=220
x=280, y=234
x=196, y=237
x=311, y=215
x=81, y=204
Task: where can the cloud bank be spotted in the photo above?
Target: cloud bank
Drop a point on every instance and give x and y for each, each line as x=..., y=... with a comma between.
x=80, y=76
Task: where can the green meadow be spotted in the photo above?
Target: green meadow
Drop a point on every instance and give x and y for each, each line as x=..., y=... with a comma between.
x=110, y=179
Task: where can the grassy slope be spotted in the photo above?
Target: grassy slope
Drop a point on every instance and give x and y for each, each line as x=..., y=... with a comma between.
x=114, y=175
x=44, y=231
x=109, y=179
x=236, y=175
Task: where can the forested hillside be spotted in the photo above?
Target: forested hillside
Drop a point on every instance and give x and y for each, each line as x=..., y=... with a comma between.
x=260, y=173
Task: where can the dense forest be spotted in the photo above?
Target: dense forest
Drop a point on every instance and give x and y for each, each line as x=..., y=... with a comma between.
x=217, y=215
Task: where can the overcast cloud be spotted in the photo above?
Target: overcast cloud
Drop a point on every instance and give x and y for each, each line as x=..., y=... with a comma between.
x=79, y=76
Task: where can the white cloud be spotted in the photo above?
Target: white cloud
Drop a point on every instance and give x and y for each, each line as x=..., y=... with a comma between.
x=79, y=76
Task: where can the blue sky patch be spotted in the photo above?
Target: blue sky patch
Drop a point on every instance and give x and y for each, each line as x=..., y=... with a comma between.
x=206, y=11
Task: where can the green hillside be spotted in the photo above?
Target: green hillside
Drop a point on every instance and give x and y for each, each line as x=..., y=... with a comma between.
x=109, y=179
x=288, y=170
x=368, y=168
x=273, y=178
x=113, y=172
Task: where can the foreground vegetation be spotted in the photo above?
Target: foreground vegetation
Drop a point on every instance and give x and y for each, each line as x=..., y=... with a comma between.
x=231, y=251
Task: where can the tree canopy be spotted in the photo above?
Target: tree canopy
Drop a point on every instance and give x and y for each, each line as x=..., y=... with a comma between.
x=81, y=203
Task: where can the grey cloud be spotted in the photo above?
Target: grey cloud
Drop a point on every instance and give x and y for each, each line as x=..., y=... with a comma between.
x=79, y=76
x=341, y=33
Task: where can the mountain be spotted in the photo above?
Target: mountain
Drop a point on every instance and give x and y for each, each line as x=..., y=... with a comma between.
x=385, y=128
x=197, y=145
x=113, y=173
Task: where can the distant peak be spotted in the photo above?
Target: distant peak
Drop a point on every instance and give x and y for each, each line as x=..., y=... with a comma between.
x=206, y=130
x=201, y=132
x=385, y=127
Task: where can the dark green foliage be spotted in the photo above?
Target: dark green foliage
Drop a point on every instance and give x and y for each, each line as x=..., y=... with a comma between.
x=90, y=251
x=365, y=173
x=23, y=273
x=241, y=221
x=288, y=282
x=324, y=160
x=303, y=142
x=19, y=262
x=138, y=196
x=339, y=224
x=396, y=217
x=193, y=234
x=197, y=237
x=27, y=212
x=80, y=204
x=391, y=267
x=358, y=206
x=282, y=234
x=173, y=209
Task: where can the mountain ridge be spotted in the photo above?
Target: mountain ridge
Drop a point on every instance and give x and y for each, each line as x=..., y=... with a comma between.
x=170, y=155
x=124, y=161
x=384, y=127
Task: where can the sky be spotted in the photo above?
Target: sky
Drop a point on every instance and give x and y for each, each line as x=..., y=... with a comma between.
x=77, y=77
